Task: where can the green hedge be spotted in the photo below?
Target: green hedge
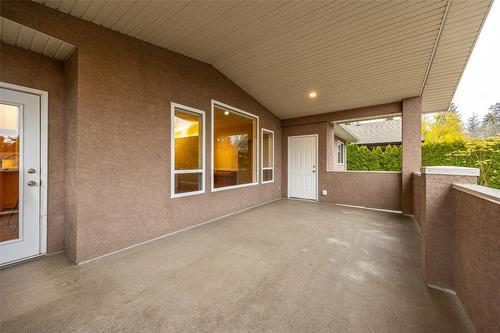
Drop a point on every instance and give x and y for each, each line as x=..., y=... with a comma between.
x=362, y=158
x=389, y=159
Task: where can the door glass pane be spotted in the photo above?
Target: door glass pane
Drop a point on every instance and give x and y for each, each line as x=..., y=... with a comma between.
x=9, y=172
x=234, y=148
x=188, y=140
x=187, y=182
x=267, y=154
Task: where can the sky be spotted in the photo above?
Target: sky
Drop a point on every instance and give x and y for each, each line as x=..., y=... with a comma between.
x=480, y=84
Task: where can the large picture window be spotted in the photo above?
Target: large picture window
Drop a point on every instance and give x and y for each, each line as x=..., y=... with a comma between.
x=188, y=151
x=234, y=147
x=267, y=156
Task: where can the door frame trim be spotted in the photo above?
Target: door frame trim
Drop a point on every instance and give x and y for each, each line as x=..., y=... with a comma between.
x=44, y=121
x=288, y=164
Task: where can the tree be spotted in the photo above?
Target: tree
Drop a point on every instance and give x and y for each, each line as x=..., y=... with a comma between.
x=453, y=108
x=491, y=121
x=473, y=126
x=484, y=153
x=444, y=127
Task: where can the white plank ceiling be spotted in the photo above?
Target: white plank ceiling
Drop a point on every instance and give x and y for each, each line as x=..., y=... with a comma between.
x=352, y=53
x=19, y=35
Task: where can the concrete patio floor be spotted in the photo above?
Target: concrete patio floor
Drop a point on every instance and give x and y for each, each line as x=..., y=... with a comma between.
x=285, y=266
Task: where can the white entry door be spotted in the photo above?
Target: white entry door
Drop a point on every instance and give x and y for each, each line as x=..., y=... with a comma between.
x=302, y=167
x=19, y=175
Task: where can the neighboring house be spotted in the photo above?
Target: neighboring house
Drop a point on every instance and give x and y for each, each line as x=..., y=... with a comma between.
x=373, y=133
x=342, y=136
x=377, y=133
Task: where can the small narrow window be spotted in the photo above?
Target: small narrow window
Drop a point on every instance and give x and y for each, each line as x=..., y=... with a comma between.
x=267, y=156
x=188, y=151
x=340, y=152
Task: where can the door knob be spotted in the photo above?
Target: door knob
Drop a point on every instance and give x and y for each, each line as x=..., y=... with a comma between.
x=31, y=170
x=31, y=183
x=314, y=171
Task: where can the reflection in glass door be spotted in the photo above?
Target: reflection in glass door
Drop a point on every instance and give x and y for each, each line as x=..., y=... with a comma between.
x=9, y=172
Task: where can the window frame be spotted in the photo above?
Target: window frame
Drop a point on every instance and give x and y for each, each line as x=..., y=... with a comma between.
x=174, y=172
x=343, y=151
x=268, y=131
x=215, y=103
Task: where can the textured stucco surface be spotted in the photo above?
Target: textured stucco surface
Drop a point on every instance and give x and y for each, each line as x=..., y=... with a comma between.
x=29, y=69
x=418, y=197
x=368, y=189
x=71, y=135
x=288, y=266
x=460, y=244
x=476, y=264
x=436, y=219
x=122, y=147
x=411, y=156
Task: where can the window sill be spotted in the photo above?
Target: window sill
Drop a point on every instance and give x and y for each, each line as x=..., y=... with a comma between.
x=218, y=189
x=186, y=194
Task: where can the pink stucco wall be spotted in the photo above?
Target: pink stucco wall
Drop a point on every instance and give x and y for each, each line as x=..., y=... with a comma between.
x=368, y=189
x=460, y=244
x=476, y=260
x=118, y=113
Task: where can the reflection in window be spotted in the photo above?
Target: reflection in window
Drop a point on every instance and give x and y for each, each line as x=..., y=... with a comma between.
x=267, y=156
x=187, y=151
x=234, y=140
x=9, y=172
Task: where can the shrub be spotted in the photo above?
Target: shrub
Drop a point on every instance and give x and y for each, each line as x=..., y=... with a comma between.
x=470, y=153
x=377, y=159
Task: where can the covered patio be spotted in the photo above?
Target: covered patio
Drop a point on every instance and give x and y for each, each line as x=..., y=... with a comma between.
x=285, y=266
x=173, y=166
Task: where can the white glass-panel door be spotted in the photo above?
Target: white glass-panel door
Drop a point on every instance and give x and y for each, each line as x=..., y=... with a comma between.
x=19, y=175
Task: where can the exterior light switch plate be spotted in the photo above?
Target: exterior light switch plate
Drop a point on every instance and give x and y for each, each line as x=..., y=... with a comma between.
x=324, y=192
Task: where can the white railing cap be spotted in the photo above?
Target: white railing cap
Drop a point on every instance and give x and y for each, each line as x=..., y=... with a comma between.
x=450, y=170
x=484, y=192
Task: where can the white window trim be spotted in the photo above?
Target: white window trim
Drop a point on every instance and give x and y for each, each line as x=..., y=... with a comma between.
x=264, y=130
x=173, y=172
x=248, y=114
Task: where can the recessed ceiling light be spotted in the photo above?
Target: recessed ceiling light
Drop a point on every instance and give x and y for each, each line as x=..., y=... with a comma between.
x=313, y=94
x=226, y=113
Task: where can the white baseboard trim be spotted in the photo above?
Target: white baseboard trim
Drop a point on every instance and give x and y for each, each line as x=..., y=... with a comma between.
x=446, y=290
x=369, y=208
x=173, y=233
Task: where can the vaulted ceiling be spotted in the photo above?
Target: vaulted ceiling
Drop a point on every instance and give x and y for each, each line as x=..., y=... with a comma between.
x=352, y=53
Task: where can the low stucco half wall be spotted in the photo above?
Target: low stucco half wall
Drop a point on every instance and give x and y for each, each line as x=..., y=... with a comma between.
x=369, y=189
x=476, y=264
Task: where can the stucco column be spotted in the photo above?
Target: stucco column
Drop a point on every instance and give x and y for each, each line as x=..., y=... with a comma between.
x=411, y=141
